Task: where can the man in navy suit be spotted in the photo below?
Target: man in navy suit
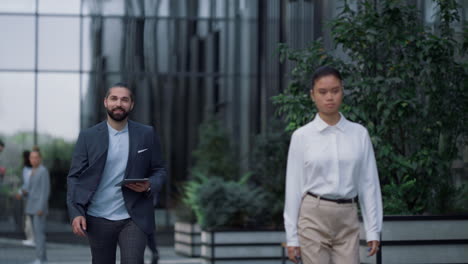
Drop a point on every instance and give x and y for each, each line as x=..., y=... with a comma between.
x=107, y=213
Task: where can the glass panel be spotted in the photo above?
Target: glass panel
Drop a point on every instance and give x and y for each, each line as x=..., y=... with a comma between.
x=112, y=37
x=59, y=43
x=220, y=9
x=59, y=6
x=16, y=123
x=59, y=105
x=204, y=8
x=18, y=6
x=16, y=102
x=165, y=35
x=108, y=7
x=87, y=106
x=430, y=11
x=17, y=44
x=164, y=8
x=151, y=7
x=86, y=44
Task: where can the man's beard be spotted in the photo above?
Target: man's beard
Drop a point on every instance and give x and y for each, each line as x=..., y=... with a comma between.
x=117, y=117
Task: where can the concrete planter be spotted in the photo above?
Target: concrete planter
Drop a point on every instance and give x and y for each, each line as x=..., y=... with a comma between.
x=187, y=239
x=242, y=246
x=405, y=239
x=421, y=239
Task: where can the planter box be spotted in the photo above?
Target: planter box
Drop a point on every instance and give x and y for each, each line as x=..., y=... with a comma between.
x=242, y=246
x=421, y=239
x=187, y=239
x=405, y=239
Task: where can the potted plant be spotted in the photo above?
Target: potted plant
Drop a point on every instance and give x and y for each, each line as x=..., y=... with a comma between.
x=212, y=157
x=240, y=215
x=187, y=232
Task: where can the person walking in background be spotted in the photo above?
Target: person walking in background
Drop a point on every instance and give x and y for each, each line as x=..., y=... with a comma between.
x=37, y=198
x=2, y=169
x=107, y=213
x=27, y=169
x=330, y=163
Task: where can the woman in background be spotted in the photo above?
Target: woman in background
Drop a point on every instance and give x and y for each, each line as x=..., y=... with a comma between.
x=37, y=197
x=27, y=168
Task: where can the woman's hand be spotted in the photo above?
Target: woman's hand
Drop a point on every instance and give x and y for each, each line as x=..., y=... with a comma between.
x=294, y=253
x=373, y=247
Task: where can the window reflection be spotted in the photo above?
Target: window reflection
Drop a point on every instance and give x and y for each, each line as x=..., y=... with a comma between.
x=99, y=7
x=58, y=106
x=59, y=6
x=59, y=42
x=18, y=6
x=16, y=102
x=17, y=44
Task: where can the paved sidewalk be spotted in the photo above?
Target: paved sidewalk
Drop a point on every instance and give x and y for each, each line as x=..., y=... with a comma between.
x=12, y=251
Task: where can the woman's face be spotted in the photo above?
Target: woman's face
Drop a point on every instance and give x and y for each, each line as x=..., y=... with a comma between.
x=327, y=94
x=35, y=159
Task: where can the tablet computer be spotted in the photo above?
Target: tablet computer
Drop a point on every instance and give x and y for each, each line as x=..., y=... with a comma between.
x=126, y=181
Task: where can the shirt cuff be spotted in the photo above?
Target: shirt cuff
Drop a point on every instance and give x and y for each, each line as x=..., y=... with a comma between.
x=372, y=236
x=293, y=244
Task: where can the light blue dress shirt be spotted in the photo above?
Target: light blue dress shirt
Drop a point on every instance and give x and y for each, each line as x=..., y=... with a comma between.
x=108, y=201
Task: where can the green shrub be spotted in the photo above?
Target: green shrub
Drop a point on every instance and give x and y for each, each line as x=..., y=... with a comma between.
x=268, y=165
x=219, y=203
x=214, y=154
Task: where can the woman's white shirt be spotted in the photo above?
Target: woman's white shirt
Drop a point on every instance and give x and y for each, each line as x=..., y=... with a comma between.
x=335, y=162
x=26, y=175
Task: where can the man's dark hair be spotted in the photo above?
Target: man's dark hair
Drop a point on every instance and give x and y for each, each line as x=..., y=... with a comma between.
x=121, y=85
x=1, y=143
x=325, y=71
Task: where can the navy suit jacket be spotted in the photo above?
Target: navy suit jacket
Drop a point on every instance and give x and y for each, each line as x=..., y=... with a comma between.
x=144, y=161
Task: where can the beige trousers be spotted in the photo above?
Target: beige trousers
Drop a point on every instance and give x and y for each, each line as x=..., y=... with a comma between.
x=328, y=232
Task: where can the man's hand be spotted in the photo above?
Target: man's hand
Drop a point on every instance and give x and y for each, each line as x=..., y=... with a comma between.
x=79, y=226
x=373, y=247
x=138, y=186
x=293, y=253
x=40, y=213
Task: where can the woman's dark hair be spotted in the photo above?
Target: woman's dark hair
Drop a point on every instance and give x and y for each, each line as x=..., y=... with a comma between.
x=325, y=71
x=26, y=161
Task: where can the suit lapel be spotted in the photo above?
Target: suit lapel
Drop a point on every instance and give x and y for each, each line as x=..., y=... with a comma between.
x=133, y=144
x=103, y=139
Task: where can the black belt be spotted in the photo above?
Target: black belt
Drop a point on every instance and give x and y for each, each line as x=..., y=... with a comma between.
x=338, y=201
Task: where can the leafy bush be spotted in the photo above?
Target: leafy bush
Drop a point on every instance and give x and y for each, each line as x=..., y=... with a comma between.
x=214, y=154
x=219, y=203
x=406, y=84
x=268, y=165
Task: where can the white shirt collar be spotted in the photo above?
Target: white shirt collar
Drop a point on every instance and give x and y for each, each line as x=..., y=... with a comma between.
x=114, y=132
x=322, y=125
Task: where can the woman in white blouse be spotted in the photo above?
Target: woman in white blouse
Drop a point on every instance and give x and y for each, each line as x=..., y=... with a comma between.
x=330, y=163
